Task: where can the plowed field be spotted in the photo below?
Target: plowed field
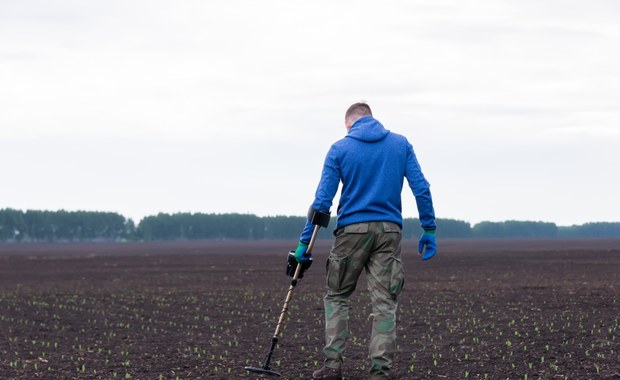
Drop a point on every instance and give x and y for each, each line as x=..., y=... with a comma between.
x=494, y=309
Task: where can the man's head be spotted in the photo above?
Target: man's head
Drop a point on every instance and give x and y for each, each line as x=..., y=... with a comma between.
x=355, y=112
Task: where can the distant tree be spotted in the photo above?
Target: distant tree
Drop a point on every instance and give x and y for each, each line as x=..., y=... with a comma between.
x=129, y=230
x=488, y=230
x=11, y=225
x=526, y=229
x=451, y=228
x=596, y=229
x=56, y=226
x=514, y=229
x=187, y=226
x=282, y=227
x=446, y=228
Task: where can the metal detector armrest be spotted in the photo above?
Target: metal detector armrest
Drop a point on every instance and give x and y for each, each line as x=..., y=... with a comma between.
x=318, y=218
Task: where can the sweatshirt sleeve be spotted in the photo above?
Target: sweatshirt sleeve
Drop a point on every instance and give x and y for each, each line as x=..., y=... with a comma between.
x=421, y=190
x=325, y=192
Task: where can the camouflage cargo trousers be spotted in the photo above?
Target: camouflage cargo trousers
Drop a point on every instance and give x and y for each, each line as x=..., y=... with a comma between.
x=373, y=247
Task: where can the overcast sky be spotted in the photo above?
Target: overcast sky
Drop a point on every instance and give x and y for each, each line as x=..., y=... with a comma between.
x=140, y=107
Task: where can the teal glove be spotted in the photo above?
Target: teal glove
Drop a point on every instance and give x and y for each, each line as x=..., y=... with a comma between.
x=427, y=240
x=300, y=253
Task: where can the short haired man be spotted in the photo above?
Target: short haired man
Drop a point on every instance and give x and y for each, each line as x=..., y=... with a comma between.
x=372, y=163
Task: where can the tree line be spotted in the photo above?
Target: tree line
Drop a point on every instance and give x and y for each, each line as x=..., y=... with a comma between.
x=93, y=226
x=63, y=226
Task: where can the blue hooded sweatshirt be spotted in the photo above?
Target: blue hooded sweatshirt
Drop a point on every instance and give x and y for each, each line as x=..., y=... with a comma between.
x=372, y=163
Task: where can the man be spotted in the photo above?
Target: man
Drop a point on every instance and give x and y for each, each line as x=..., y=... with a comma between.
x=372, y=163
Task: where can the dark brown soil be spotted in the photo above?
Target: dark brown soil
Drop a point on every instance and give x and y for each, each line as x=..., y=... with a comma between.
x=492, y=309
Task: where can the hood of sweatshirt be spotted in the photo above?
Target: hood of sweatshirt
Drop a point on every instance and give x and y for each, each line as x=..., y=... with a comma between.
x=367, y=129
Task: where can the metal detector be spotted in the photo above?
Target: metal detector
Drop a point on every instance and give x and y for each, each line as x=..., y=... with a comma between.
x=318, y=219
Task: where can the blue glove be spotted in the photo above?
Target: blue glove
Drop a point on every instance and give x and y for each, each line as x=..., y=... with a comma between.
x=300, y=253
x=427, y=239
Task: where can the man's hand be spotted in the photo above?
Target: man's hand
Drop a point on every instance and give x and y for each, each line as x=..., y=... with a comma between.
x=427, y=240
x=300, y=253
